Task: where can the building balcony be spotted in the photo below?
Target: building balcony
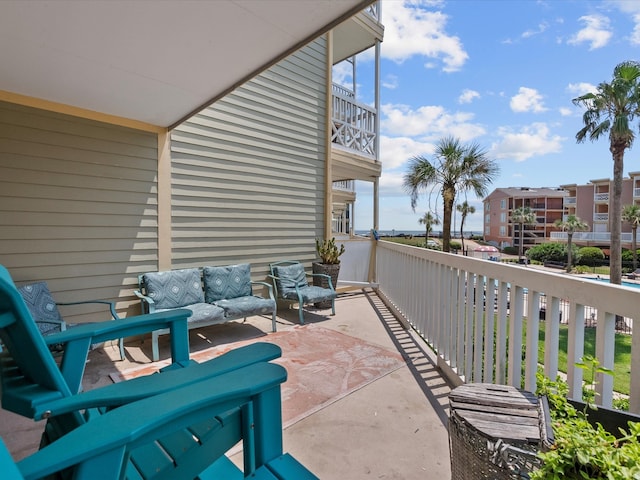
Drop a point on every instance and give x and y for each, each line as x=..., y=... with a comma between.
x=406, y=407
x=354, y=137
x=601, y=197
x=569, y=201
x=600, y=217
x=636, y=192
x=590, y=237
x=476, y=314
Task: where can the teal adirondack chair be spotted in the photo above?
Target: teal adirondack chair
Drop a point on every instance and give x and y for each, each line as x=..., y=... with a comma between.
x=290, y=284
x=243, y=385
x=34, y=386
x=182, y=434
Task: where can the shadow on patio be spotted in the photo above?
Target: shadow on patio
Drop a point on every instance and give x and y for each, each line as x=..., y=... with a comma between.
x=391, y=427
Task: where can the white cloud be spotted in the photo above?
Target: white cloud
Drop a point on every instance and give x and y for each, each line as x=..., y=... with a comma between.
x=390, y=82
x=410, y=29
x=467, y=96
x=581, y=88
x=635, y=35
x=429, y=123
x=527, y=100
x=596, y=32
x=396, y=151
x=532, y=140
x=542, y=27
x=342, y=74
x=565, y=112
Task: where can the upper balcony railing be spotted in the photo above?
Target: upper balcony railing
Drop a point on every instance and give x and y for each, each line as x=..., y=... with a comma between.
x=601, y=197
x=589, y=237
x=374, y=10
x=353, y=124
x=569, y=201
x=484, y=319
x=600, y=217
x=345, y=185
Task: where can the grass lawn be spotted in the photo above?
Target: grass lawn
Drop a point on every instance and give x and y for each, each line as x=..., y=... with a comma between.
x=413, y=241
x=622, y=358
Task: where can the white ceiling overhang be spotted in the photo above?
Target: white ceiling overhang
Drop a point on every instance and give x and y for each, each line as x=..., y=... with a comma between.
x=156, y=62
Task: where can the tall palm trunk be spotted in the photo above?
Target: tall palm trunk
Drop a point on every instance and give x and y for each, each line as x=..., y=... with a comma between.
x=634, y=237
x=615, y=216
x=448, y=197
x=569, y=251
x=521, y=238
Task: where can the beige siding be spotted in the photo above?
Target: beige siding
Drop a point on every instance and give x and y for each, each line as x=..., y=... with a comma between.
x=78, y=206
x=248, y=172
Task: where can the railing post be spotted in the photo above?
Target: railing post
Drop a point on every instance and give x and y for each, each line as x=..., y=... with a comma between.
x=551, y=337
x=605, y=349
x=575, y=350
x=489, y=309
x=533, y=328
x=515, y=337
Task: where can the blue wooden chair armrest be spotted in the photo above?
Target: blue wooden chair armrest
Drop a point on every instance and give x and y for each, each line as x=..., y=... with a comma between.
x=118, y=394
x=144, y=299
x=102, y=445
x=268, y=286
x=78, y=340
x=112, y=306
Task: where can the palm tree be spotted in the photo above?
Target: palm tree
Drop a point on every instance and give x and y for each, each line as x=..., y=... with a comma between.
x=571, y=225
x=522, y=216
x=631, y=215
x=428, y=220
x=465, y=209
x=455, y=168
x=612, y=109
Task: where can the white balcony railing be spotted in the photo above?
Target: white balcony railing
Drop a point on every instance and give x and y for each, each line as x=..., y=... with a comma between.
x=589, y=237
x=353, y=124
x=569, y=201
x=477, y=316
x=345, y=185
x=600, y=217
x=601, y=197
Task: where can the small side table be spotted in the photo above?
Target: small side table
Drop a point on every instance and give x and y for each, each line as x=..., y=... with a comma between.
x=495, y=432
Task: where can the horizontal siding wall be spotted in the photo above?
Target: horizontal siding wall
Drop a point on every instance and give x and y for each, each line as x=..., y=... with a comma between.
x=248, y=172
x=78, y=207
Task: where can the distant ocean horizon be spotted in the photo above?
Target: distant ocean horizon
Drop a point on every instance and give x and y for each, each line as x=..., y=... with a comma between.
x=417, y=233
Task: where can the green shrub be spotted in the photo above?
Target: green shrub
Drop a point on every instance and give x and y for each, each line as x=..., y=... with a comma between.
x=455, y=245
x=627, y=255
x=590, y=256
x=553, y=251
x=510, y=250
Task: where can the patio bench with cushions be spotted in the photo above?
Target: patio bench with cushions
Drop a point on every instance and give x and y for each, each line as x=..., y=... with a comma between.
x=214, y=295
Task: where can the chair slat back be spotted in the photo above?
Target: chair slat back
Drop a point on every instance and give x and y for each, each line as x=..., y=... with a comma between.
x=25, y=345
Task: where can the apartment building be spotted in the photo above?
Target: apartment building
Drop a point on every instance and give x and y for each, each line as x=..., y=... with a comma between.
x=589, y=202
x=203, y=133
x=546, y=203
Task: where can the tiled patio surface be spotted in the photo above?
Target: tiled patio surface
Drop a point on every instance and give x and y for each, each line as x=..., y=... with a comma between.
x=392, y=428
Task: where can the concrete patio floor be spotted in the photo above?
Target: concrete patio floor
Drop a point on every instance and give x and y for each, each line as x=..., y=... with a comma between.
x=392, y=428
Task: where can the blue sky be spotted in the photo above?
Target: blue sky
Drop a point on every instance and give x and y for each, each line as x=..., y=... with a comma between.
x=499, y=73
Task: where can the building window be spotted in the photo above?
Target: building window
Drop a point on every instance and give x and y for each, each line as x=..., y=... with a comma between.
x=503, y=231
x=503, y=203
x=487, y=230
x=487, y=218
x=503, y=217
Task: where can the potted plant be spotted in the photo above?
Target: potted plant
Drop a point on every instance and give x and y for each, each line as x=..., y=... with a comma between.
x=588, y=443
x=329, y=264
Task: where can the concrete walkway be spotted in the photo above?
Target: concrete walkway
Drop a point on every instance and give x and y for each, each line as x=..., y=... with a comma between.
x=392, y=428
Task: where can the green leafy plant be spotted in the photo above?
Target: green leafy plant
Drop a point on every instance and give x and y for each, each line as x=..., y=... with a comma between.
x=328, y=251
x=583, y=450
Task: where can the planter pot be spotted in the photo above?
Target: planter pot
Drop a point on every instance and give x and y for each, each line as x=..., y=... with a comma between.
x=326, y=269
x=610, y=419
